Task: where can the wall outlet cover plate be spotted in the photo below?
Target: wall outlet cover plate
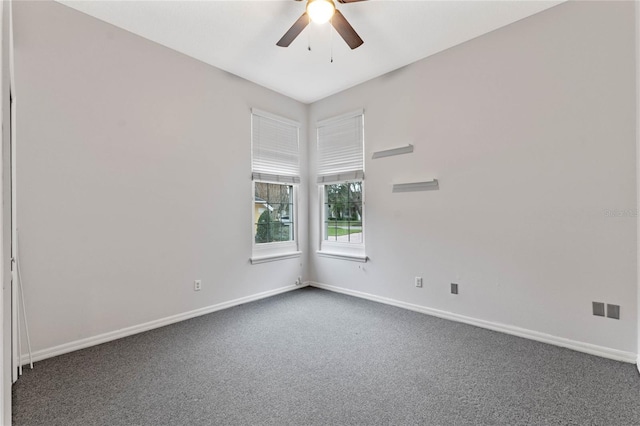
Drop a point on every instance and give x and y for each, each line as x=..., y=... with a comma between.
x=613, y=311
x=598, y=309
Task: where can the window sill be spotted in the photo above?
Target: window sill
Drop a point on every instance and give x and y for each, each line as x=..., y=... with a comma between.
x=274, y=257
x=344, y=256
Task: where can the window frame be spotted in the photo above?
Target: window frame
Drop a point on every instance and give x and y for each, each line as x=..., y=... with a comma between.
x=277, y=250
x=339, y=249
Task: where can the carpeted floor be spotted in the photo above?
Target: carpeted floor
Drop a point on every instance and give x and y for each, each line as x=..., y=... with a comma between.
x=311, y=357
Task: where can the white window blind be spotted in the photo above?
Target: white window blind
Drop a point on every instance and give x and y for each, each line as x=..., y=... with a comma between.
x=341, y=148
x=275, y=154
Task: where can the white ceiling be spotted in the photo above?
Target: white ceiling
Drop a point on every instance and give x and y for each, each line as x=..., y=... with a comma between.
x=240, y=36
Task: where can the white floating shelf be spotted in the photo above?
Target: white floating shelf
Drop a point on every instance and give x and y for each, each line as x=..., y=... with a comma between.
x=431, y=185
x=395, y=151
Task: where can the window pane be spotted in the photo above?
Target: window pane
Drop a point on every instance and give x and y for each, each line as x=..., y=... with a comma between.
x=273, y=214
x=343, y=212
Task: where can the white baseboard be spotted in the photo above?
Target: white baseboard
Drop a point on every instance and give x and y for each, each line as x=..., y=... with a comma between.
x=128, y=331
x=602, y=351
x=588, y=348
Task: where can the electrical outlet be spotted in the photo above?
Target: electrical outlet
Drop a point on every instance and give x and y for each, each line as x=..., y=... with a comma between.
x=418, y=281
x=454, y=288
x=197, y=285
x=299, y=281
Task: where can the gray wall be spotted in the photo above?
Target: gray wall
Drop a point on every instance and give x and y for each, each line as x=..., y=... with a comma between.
x=133, y=178
x=531, y=131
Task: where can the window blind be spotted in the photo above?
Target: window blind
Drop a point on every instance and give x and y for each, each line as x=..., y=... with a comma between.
x=275, y=153
x=341, y=148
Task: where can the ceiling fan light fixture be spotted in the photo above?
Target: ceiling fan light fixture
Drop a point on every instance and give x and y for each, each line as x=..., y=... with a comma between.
x=320, y=11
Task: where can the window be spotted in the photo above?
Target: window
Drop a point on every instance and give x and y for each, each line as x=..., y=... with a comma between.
x=343, y=212
x=276, y=175
x=273, y=212
x=341, y=182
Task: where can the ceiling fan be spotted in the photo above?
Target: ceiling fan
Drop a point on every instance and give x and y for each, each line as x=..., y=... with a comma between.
x=321, y=11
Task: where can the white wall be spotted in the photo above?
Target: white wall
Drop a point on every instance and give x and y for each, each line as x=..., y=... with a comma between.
x=531, y=132
x=637, y=57
x=5, y=218
x=133, y=178
x=133, y=161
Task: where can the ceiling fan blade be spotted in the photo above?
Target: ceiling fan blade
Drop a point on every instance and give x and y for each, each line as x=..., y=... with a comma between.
x=346, y=31
x=349, y=1
x=294, y=31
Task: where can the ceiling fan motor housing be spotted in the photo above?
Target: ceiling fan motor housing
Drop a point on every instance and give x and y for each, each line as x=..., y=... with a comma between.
x=326, y=10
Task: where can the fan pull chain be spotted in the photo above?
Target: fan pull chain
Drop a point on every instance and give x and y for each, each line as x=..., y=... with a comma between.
x=309, y=34
x=331, y=42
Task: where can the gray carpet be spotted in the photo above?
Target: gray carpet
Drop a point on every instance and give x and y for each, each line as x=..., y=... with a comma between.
x=311, y=357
